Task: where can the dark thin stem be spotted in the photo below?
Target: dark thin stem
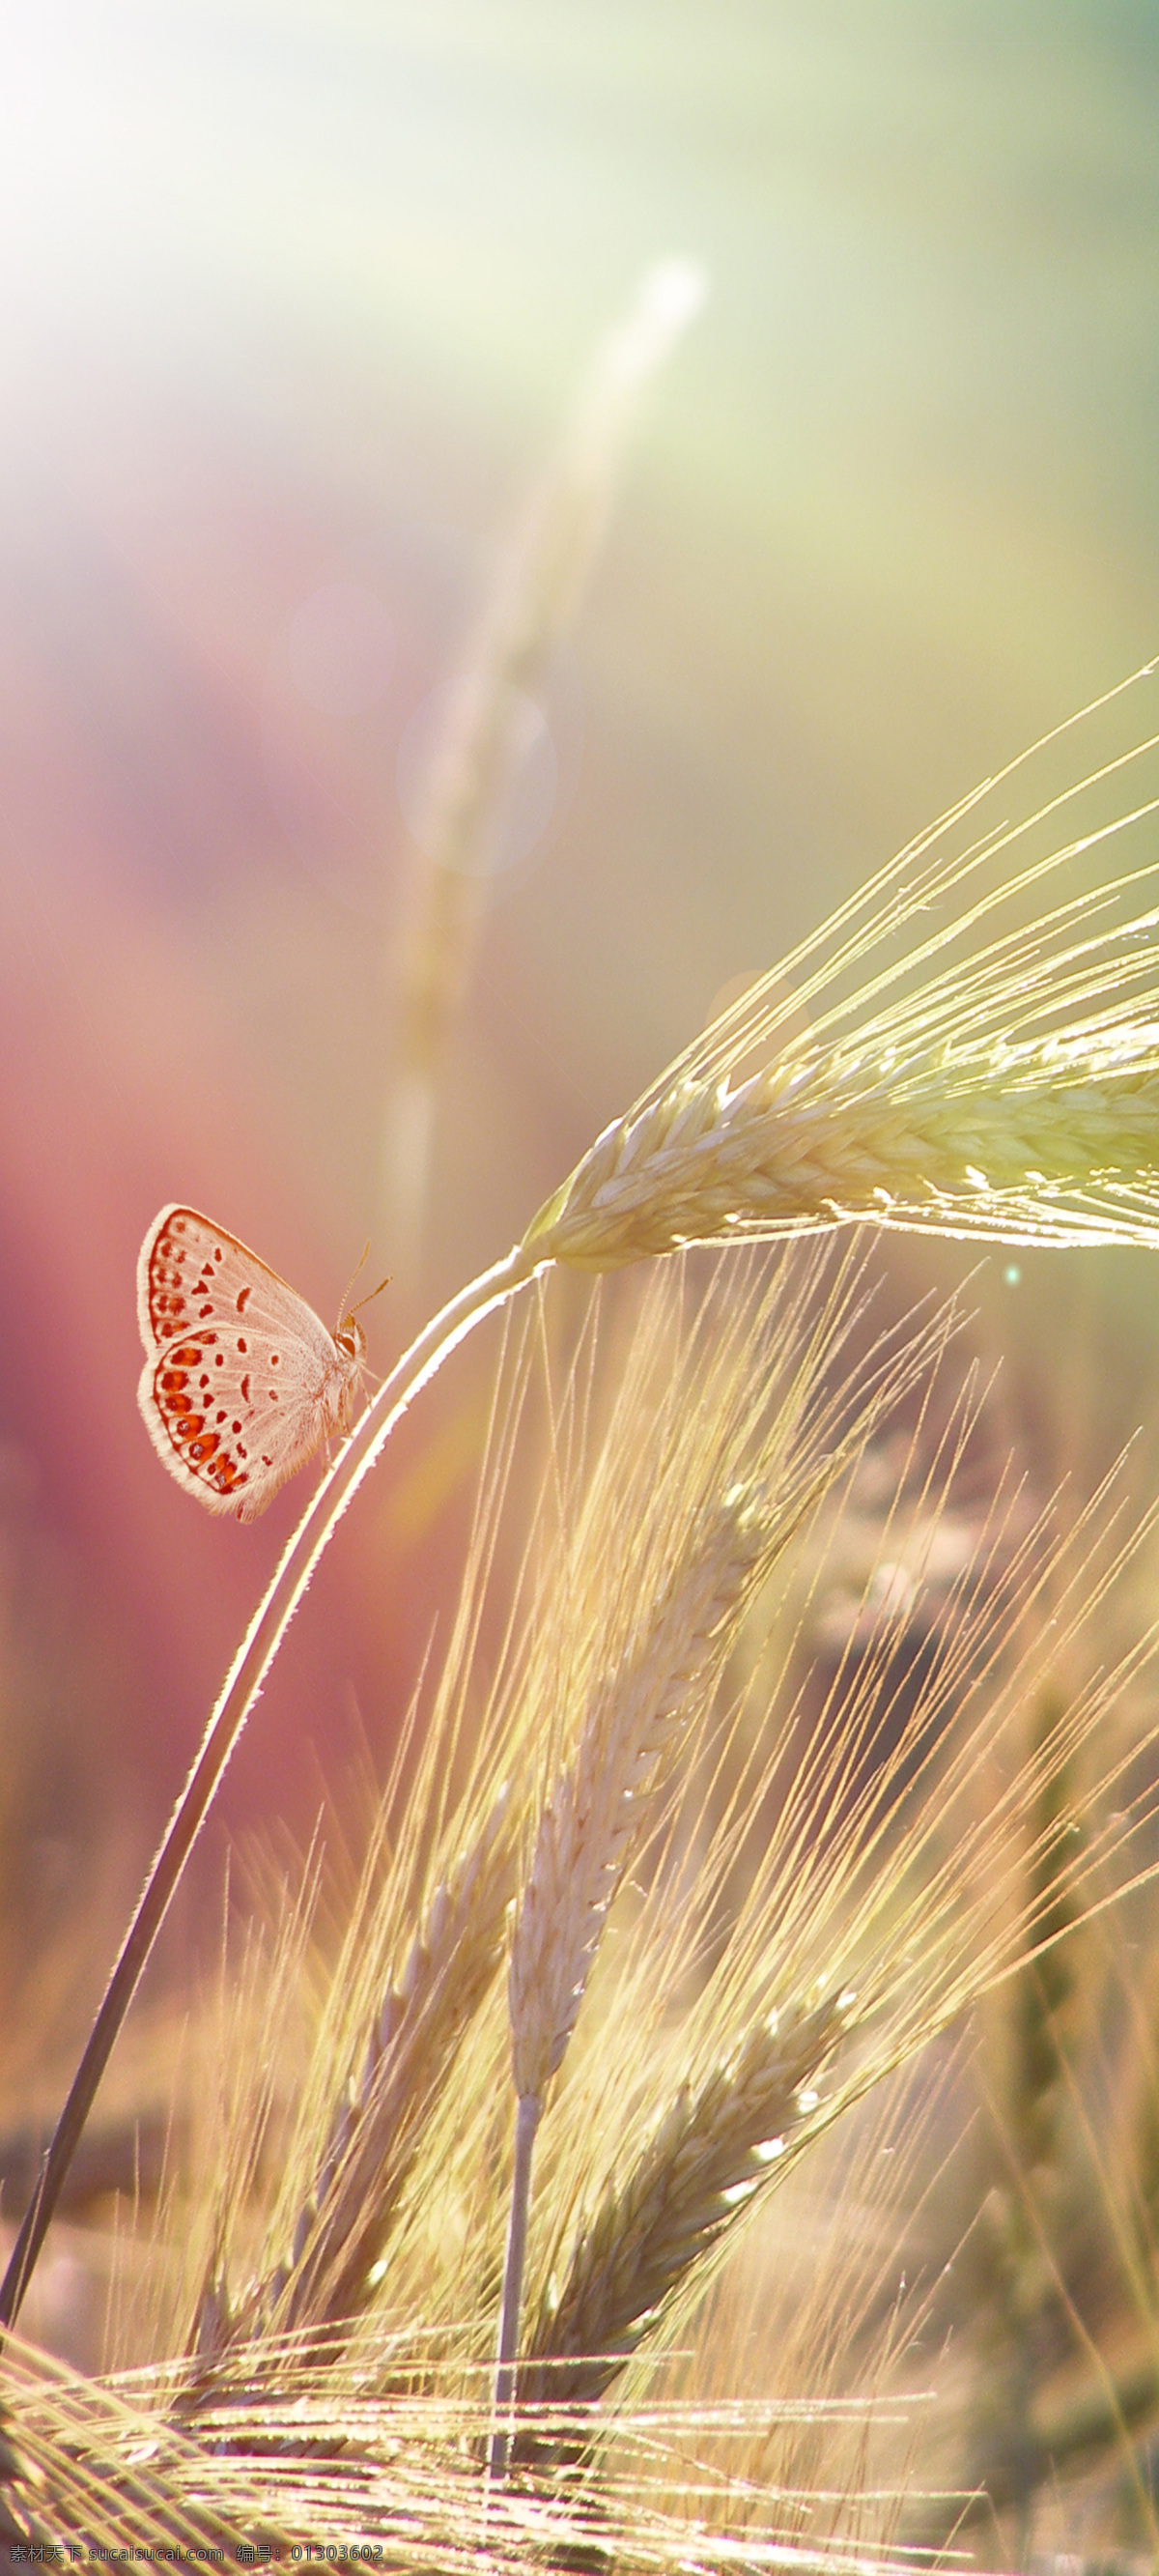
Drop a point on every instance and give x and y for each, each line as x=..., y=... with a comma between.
x=527, y=2119
x=242, y=1685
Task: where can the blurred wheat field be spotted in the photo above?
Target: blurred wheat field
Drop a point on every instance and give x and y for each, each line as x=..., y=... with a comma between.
x=510, y=515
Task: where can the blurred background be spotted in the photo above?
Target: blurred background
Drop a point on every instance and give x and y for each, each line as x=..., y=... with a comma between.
x=298, y=302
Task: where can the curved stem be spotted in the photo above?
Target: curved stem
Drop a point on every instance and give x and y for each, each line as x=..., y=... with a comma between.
x=242, y=1684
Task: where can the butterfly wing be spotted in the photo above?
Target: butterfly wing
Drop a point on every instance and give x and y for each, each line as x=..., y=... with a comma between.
x=242, y=1382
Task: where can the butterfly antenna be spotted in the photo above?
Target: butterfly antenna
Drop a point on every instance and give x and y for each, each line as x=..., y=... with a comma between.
x=345, y=1312
x=375, y=1292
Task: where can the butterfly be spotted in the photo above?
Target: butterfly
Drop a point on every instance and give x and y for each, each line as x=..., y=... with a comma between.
x=243, y=1382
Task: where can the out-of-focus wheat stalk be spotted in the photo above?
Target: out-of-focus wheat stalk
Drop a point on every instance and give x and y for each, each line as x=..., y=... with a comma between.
x=1053, y=2307
x=1018, y=2289
x=483, y=741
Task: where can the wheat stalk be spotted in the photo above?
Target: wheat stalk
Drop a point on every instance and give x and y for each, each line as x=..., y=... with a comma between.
x=600, y=1810
x=533, y=604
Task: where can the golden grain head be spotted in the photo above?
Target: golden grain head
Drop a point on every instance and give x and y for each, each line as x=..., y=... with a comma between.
x=930, y=1059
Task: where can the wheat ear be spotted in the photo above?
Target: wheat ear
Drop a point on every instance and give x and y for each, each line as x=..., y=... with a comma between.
x=600, y=1809
x=593, y=1823
x=717, y=2140
x=1014, y=1143
x=345, y=2219
x=1012, y=1095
